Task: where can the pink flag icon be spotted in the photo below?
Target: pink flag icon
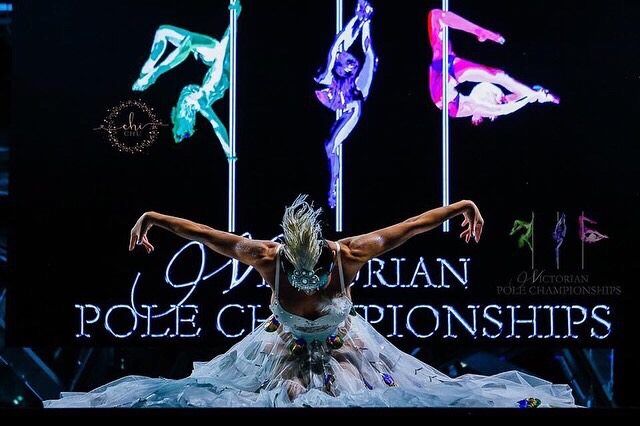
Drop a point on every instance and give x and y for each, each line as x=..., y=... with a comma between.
x=587, y=233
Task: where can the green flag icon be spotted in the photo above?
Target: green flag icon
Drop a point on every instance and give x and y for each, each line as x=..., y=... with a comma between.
x=526, y=232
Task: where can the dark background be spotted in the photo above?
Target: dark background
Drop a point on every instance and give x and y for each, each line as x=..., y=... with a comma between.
x=74, y=198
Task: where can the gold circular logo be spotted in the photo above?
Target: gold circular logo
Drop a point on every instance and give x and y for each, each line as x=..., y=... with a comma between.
x=132, y=126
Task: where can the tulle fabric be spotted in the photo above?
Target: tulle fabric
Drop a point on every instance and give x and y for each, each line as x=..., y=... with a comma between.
x=367, y=371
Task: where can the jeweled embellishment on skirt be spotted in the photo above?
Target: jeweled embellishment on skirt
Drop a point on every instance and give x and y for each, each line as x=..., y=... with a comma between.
x=297, y=347
x=272, y=325
x=329, y=379
x=529, y=403
x=335, y=342
x=388, y=379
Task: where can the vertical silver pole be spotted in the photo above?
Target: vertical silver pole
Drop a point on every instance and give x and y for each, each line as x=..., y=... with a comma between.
x=231, y=224
x=445, y=114
x=339, y=25
x=582, y=240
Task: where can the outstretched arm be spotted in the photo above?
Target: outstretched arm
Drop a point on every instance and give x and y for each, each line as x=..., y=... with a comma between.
x=343, y=42
x=346, y=38
x=365, y=77
x=234, y=6
x=362, y=248
x=245, y=250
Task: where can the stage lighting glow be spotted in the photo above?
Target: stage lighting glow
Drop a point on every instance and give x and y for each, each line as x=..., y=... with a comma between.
x=84, y=321
x=424, y=321
x=219, y=318
x=134, y=318
x=605, y=322
x=493, y=320
x=453, y=313
x=436, y=317
x=149, y=317
x=515, y=321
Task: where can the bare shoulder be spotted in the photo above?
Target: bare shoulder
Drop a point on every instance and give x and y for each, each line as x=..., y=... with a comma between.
x=264, y=254
x=358, y=247
x=268, y=250
x=347, y=253
x=257, y=252
x=333, y=245
x=350, y=259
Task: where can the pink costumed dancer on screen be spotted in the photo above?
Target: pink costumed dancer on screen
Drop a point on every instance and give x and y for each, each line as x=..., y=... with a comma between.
x=487, y=98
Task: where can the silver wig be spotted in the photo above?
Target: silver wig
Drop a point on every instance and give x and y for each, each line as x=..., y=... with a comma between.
x=302, y=234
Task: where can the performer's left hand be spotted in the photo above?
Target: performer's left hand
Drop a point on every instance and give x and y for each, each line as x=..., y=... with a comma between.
x=473, y=221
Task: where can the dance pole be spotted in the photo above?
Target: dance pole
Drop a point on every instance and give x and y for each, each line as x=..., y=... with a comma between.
x=233, y=19
x=582, y=240
x=445, y=114
x=339, y=152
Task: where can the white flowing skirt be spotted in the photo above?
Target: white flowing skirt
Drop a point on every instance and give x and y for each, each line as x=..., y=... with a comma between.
x=367, y=371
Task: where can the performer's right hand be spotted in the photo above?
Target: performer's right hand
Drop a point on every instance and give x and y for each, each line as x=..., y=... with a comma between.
x=139, y=233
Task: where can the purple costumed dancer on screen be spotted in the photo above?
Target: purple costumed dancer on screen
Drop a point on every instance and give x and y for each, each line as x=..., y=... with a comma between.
x=559, y=233
x=348, y=82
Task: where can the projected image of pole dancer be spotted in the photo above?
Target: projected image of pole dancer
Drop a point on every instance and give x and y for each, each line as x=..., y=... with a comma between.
x=348, y=82
x=193, y=98
x=315, y=350
x=586, y=232
x=487, y=99
x=559, y=234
